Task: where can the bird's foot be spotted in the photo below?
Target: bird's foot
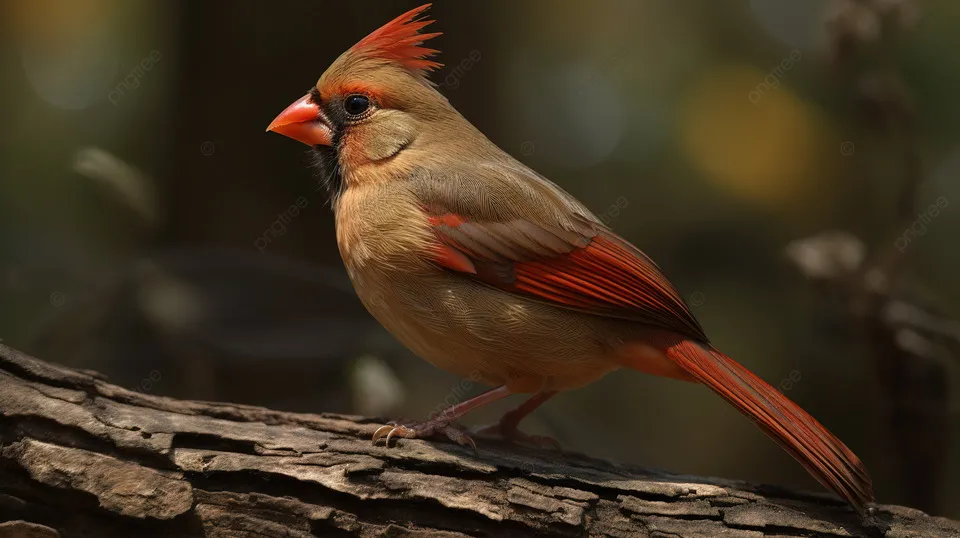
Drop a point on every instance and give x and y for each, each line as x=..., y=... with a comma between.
x=512, y=434
x=420, y=430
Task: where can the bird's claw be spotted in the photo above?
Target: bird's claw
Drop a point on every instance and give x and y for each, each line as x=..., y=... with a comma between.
x=422, y=430
x=458, y=436
x=390, y=431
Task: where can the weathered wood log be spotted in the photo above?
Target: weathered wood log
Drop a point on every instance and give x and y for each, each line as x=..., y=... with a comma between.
x=82, y=457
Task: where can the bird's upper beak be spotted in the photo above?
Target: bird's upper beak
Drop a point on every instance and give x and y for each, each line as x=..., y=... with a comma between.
x=305, y=122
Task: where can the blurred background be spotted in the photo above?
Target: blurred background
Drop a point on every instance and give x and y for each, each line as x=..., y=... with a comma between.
x=794, y=167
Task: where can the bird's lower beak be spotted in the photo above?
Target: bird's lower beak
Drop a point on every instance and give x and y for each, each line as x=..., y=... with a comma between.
x=304, y=122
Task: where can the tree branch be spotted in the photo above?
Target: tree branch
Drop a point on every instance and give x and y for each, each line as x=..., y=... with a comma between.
x=82, y=457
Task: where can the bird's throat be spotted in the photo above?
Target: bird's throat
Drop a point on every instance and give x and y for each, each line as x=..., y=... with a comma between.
x=327, y=164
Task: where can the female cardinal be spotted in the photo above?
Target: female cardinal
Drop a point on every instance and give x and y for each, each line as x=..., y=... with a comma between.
x=488, y=270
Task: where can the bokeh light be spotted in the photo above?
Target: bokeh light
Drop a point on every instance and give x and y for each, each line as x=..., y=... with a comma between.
x=764, y=151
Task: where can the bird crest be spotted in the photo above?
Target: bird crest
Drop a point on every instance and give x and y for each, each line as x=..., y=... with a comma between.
x=400, y=40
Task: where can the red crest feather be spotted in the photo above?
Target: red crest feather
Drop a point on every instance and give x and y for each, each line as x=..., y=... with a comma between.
x=400, y=40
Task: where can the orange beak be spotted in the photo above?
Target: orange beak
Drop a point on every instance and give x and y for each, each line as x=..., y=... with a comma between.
x=304, y=122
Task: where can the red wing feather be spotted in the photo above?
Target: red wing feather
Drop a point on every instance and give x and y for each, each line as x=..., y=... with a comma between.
x=592, y=270
x=595, y=271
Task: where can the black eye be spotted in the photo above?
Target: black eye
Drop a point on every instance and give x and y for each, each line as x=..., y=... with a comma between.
x=356, y=104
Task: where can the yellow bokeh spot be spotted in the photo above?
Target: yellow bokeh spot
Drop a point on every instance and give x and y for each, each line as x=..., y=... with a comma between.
x=758, y=141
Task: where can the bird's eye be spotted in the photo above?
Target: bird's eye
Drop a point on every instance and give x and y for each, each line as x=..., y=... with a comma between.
x=356, y=104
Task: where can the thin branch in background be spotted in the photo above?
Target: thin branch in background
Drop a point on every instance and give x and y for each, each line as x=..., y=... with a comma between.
x=912, y=345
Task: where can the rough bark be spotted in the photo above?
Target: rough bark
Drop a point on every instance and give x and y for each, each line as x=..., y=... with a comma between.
x=82, y=457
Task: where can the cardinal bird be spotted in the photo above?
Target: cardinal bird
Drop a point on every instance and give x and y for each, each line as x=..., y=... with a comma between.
x=486, y=269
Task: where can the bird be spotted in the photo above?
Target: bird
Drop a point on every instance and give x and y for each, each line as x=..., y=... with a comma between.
x=486, y=269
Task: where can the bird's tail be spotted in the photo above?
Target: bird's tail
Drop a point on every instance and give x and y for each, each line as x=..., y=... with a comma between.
x=824, y=456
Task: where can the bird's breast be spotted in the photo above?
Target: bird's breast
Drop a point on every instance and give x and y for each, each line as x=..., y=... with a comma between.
x=381, y=226
x=452, y=321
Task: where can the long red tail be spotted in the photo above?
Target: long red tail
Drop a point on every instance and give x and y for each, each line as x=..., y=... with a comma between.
x=824, y=456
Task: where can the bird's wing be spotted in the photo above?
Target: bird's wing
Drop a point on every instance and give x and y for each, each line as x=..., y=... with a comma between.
x=530, y=238
x=549, y=248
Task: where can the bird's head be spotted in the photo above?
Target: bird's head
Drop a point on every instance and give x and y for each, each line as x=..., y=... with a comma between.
x=372, y=103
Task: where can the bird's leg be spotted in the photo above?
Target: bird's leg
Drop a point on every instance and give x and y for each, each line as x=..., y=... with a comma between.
x=507, y=427
x=442, y=421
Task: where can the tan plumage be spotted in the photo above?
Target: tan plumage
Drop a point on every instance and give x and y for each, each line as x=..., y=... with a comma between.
x=486, y=269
